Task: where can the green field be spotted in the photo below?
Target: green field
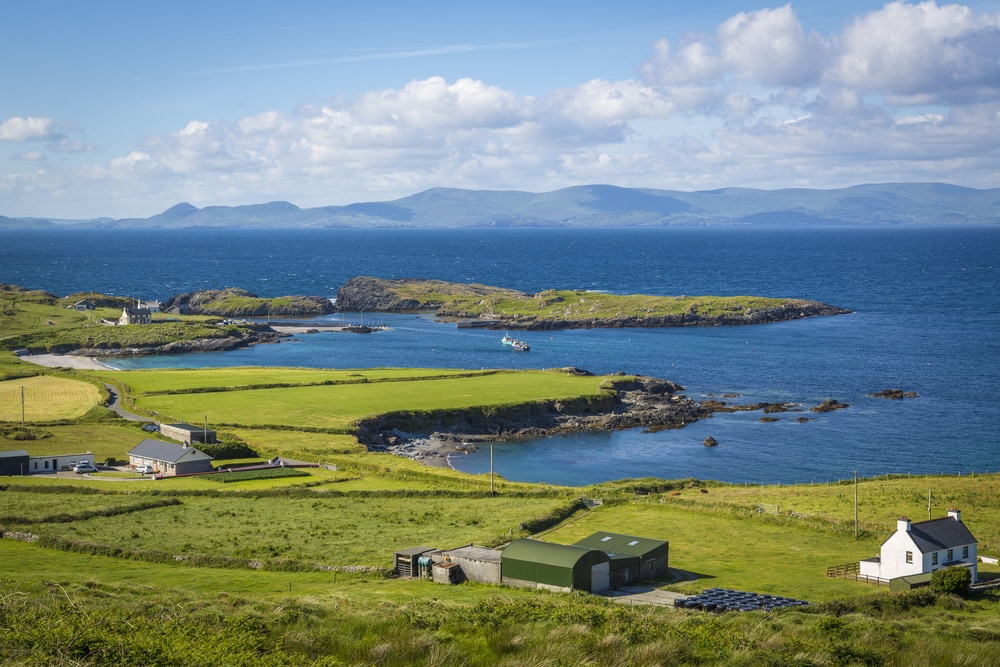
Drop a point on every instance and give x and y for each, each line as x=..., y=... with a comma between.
x=293, y=570
x=46, y=398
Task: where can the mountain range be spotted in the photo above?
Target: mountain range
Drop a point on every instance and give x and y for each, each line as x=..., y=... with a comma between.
x=589, y=206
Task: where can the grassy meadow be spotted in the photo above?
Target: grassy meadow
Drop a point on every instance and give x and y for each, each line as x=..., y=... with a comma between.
x=115, y=570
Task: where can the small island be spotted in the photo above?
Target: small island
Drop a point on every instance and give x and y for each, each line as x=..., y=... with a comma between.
x=501, y=308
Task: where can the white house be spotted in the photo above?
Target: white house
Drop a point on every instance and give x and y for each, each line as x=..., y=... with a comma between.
x=924, y=546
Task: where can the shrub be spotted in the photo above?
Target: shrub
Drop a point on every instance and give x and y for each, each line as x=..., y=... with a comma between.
x=951, y=580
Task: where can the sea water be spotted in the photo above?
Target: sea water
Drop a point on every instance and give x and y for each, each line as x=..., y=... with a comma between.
x=926, y=319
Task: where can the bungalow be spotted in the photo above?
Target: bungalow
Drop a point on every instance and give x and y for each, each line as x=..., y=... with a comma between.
x=132, y=315
x=923, y=547
x=83, y=305
x=153, y=306
x=169, y=459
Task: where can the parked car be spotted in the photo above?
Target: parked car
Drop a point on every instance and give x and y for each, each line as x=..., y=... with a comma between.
x=151, y=428
x=84, y=468
x=81, y=464
x=144, y=470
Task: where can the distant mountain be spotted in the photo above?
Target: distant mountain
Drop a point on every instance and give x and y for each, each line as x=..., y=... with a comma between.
x=591, y=206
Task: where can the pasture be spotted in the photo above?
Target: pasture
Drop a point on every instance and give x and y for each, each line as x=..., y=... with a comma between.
x=46, y=398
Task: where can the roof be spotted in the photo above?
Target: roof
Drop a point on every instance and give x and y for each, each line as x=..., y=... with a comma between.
x=187, y=427
x=475, y=553
x=561, y=555
x=13, y=453
x=414, y=551
x=166, y=451
x=625, y=545
x=938, y=534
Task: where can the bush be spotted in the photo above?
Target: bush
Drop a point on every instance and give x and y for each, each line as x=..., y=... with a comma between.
x=951, y=580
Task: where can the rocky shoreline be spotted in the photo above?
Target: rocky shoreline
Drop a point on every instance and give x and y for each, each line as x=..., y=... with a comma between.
x=641, y=402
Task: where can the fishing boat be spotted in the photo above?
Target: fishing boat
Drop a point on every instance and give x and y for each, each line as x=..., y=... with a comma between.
x=521, y=346
x=507, y=340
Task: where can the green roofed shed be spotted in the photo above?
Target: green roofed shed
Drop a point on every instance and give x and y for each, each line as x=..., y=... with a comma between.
x=653, y=554
x=528, y=562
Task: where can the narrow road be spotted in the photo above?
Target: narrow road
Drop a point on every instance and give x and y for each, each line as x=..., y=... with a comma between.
x=116, y=405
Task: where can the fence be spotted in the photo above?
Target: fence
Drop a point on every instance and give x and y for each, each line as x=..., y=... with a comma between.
x=853, y=571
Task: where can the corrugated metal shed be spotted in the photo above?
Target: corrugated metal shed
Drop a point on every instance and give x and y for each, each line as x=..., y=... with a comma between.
x=14, y=462
x=557, y=565
x=652, y=553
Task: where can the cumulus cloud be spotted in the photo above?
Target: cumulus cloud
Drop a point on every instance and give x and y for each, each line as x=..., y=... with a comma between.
x=761, y=101
x=30, y=156
x=921, y=54
x=29, y=129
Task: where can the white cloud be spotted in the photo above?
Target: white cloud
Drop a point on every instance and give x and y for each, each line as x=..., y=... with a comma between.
x=759, y=102
x=29, y=129
x=922, y=54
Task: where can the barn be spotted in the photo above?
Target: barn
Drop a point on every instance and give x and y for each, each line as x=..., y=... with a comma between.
x=561, y=567
x=653, y=554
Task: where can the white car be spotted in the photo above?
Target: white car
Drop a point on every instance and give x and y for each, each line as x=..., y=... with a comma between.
x=84, y=469
x=144, y=470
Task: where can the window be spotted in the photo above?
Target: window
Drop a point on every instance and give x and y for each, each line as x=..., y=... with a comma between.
x=951, y=555
x=934, y=558
x=909, y=556
x=965, y=552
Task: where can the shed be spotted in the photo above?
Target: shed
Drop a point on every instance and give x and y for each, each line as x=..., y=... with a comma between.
x=44, y=464
x=168, y=458
x=478, y=564
x=653, y=554
x=14, y=462
x=188, y=433
x=562, y=567
x=406, y=562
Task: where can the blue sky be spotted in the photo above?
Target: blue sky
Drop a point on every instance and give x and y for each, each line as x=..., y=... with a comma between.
x=122, y=109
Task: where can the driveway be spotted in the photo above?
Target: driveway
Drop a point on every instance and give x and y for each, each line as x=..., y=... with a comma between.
x=115, y=404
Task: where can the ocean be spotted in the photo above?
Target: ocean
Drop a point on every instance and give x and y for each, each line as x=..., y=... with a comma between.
x=926, y=318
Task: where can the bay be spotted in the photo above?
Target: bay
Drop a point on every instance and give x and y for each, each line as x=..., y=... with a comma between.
x=926, y=319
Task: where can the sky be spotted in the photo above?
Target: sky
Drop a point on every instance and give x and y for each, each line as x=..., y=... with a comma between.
x=123, y=109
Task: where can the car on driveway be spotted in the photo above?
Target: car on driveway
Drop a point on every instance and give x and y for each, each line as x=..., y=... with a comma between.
x=84, y=469
x=144, y=470
x=151, y=428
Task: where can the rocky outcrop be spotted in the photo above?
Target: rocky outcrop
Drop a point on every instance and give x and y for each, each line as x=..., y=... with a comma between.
x=235, y=302
x=636, y=402
x=894, y=394
x=535, y=313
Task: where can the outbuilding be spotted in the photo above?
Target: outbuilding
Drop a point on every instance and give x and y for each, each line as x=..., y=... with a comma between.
x=652, y=554
x=188, y=433
x=561, y=567
x=14, y=462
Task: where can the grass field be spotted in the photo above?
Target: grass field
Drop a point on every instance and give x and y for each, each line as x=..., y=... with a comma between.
x=46, y=398
x=339, y=406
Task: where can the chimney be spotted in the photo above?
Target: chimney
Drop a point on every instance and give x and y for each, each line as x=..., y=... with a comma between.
x=903, y=524
x=955, y=514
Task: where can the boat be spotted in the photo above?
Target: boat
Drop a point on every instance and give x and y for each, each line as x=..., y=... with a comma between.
x=518, y=345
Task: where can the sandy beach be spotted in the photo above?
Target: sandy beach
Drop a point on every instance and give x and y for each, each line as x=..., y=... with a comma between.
x=430, y=451
x=67, y=361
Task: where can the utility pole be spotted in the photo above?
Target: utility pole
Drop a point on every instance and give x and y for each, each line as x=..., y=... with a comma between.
x=492, y=493
x=928, y=504
x=22, y=407
x=855, y=504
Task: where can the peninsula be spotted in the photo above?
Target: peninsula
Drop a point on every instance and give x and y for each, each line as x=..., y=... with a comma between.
x=501, y=308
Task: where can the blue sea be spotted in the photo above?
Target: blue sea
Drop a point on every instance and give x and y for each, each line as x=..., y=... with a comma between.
x=926, y=318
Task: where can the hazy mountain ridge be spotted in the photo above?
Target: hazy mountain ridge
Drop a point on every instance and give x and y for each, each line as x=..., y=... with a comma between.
x=590, y=206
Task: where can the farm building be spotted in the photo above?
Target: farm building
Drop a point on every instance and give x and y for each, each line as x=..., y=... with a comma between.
x=406, y=563
x=169, y=459
x=537, y=564
x=43, y=464
x=14, y=462
x=652, y=555
x=188, y=434
x=918, y=548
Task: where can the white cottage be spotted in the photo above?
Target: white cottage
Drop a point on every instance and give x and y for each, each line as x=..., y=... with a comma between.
x=924, y=546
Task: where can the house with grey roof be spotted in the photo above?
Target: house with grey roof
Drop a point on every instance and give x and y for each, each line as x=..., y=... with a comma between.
x=132, y=315
x=922, y=547
x=169, y=459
